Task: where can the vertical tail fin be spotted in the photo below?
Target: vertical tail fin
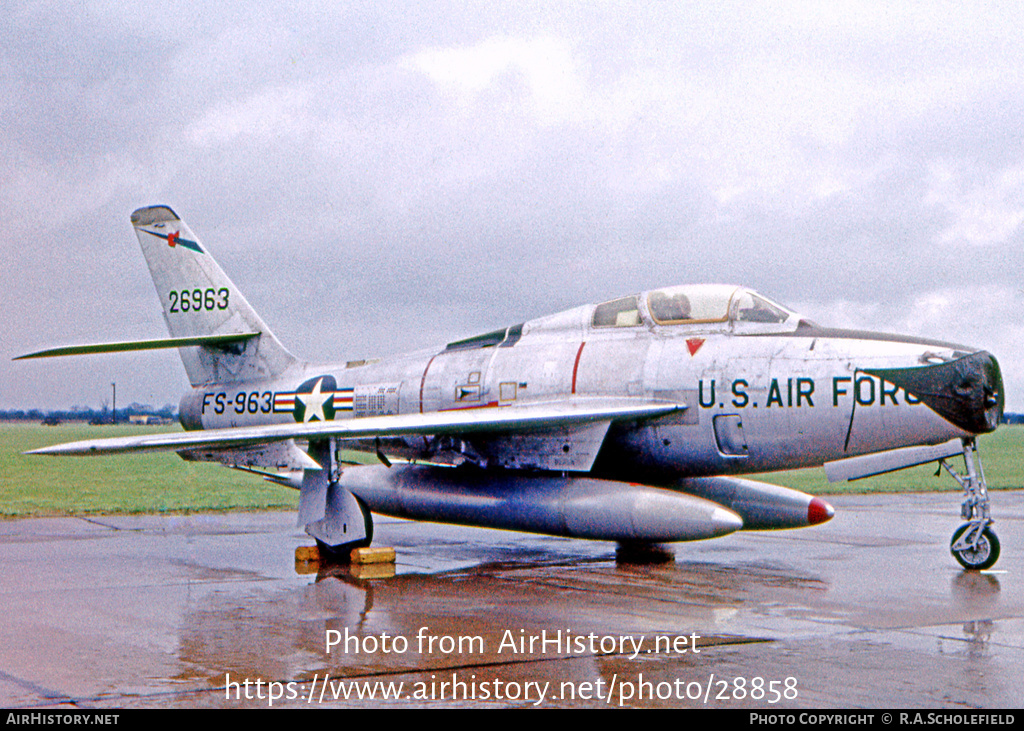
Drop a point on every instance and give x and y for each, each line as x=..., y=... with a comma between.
x=198, y=299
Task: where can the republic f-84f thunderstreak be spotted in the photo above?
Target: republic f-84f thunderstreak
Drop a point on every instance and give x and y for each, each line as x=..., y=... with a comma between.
x=627, y=421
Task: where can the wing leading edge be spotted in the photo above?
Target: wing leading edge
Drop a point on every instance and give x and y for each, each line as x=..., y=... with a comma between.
x=504, y=420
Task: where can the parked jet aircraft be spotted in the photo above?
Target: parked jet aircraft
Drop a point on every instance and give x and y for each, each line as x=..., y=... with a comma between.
x=627, y=420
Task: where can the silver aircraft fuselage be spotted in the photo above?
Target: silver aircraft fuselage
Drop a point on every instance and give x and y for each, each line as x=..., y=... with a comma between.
x=763, y=388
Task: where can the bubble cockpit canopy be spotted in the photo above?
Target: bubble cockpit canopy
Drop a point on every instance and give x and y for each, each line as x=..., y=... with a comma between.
x=692, y=304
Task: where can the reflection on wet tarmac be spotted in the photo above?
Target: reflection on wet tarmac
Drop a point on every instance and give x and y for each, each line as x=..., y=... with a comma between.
x=511, y=619
x=152, y=611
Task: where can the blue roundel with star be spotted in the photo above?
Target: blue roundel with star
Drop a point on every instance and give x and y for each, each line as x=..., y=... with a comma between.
x=314, y=399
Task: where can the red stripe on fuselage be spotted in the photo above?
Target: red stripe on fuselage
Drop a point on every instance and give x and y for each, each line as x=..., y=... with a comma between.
x=576, y=365
x=490, y=405
x=423, y=381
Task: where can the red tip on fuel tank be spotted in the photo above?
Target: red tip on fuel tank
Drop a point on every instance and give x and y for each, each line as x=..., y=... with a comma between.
x=819, y=511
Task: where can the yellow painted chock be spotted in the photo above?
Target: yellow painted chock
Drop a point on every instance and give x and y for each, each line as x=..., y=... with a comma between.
x=357, y=557
x=376, y=554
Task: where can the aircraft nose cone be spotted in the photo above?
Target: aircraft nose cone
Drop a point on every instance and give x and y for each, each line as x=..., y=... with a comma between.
x=967, y=391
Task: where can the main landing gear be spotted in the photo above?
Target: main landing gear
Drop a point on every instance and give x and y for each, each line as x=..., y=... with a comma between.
x=974, y=544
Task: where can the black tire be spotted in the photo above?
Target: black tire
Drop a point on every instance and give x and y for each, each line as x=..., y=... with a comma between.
x=983, y=556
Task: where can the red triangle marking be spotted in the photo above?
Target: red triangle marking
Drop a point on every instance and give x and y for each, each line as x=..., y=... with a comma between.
x=693, y=345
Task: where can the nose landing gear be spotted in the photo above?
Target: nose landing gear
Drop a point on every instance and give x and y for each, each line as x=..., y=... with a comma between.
x=974, y=544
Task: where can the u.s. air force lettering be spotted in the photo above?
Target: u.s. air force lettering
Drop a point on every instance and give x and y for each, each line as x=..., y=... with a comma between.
x=800, y=392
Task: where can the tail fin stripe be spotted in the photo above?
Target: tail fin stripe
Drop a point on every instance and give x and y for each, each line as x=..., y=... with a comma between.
x=174, y=239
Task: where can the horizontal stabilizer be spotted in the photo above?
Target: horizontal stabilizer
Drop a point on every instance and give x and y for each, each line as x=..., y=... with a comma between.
x=869, y=465
x=208, y=340
x=509, y=419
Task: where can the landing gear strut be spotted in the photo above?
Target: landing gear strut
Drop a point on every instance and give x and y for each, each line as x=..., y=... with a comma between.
x=974, y=544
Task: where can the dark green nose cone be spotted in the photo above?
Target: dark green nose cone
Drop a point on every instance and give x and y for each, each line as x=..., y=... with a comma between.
x=966, y=391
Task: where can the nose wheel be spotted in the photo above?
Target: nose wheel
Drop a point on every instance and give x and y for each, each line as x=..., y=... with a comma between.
x=974, y=544
x=975, y=550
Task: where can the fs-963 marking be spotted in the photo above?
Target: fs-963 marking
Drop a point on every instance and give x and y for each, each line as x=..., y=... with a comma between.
x=190, y=300
x=243, y=402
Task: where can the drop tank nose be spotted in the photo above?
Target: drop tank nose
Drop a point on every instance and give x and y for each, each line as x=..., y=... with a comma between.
x=966, y=391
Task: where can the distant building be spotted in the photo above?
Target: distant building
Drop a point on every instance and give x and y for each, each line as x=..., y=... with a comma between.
x=148, y=420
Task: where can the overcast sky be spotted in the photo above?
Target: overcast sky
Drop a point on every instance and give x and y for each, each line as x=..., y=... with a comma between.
x=378, y=177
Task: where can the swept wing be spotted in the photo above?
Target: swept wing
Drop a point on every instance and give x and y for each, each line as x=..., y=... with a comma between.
x=511, y=419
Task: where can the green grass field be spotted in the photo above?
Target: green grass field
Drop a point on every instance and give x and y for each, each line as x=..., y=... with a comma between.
x=162, y=482
x=1000, y=456
x=137, y=483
